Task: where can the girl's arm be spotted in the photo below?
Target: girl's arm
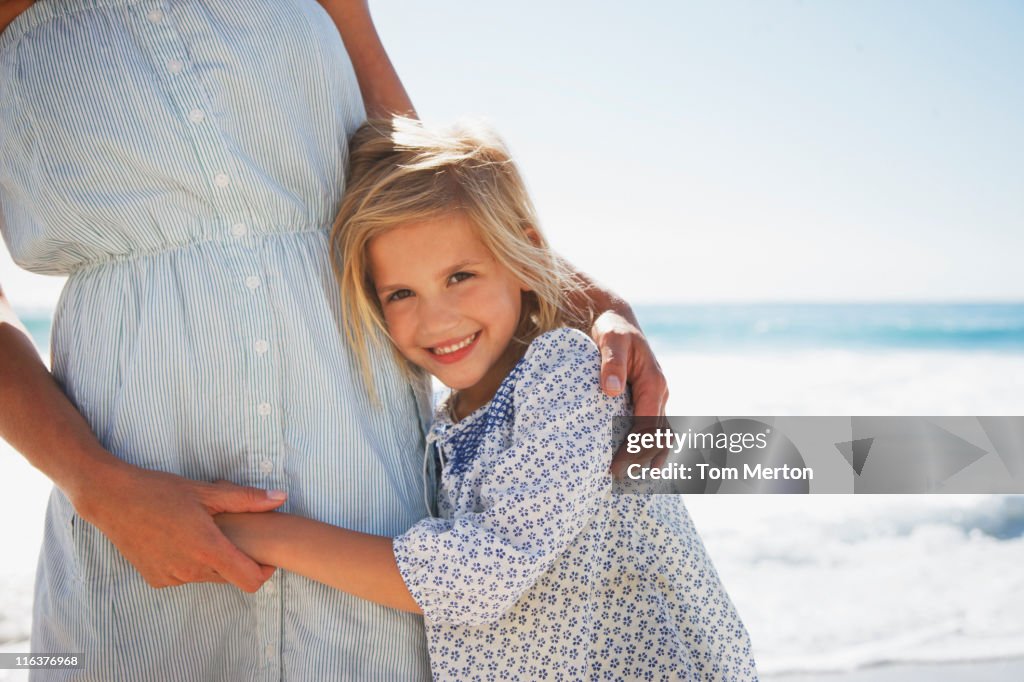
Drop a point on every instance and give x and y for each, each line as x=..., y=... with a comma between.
x=383, y=92
x=353, y=562
x=538, y=495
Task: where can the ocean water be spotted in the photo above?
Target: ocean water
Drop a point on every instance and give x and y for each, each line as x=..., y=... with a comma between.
x=831, y=583
x=824, y=583
x=968, y=327
x=853, y=326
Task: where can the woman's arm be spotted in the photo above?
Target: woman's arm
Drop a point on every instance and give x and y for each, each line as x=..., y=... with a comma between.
x=161, y=523
x=359, y=564
x=383, y=92
x=10, y=9
x=625, y=354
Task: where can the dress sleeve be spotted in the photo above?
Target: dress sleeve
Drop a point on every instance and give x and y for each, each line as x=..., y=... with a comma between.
x=535, y=498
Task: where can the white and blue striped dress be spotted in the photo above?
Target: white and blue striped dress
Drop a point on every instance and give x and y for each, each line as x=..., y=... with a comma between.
x=182, y=161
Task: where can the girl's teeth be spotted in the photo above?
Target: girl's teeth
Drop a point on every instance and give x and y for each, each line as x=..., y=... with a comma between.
x=451, y=349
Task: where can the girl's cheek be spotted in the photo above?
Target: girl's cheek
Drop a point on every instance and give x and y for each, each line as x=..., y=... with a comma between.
x=400, y=322
x=469, y=296
x=390, y=320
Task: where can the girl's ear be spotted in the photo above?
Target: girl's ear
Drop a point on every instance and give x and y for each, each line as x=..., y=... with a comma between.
x=531, y=233
x=534, y=236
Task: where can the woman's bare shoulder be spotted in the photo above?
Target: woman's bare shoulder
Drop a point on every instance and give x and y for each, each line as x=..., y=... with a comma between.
x=10, y=9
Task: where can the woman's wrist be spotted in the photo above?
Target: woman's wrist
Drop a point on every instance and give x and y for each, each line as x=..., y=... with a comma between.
x=96, y=472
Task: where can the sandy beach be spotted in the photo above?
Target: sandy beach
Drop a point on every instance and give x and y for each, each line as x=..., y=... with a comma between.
x=981, y=671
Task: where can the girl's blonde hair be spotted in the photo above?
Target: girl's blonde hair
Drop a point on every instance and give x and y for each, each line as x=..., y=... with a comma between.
x=401, y=172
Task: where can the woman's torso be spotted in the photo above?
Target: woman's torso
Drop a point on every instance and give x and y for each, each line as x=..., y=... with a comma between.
x=133, y=127
x=181, y=162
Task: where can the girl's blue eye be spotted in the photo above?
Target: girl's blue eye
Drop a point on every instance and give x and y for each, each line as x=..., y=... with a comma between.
x=460, y=277
x=399, y=295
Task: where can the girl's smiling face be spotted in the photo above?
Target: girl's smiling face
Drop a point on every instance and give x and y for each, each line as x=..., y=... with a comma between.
x=450, y=307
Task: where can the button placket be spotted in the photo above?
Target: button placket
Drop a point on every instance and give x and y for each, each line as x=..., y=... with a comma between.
x=183, y=85
x=177, y=67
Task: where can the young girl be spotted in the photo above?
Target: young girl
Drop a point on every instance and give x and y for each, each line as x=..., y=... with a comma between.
x=531, y=568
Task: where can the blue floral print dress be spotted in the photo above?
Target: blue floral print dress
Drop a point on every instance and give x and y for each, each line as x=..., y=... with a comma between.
x=536, y=570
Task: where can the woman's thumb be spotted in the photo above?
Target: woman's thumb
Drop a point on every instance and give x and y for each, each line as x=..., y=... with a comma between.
x=225, y=496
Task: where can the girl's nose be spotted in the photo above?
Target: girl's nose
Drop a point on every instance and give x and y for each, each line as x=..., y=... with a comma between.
x=437, y=315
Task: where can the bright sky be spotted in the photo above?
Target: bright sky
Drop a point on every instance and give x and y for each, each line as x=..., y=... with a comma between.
x=770, y=150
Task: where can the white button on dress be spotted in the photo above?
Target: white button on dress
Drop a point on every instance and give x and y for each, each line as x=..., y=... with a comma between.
x=175, y=65
x=155, y=16
x=221, y=180
x=238, y=230
x=264, y=409
x=261, y=346
x=252, y=281
x=197, y=116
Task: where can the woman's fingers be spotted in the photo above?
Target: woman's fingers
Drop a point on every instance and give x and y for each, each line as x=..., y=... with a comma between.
x=224, y=496
x=163, y=526
x=613, y=334
x=236, y=567
x=627, y=357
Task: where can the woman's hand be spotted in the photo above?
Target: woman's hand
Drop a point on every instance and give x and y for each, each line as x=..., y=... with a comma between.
x=160, y=522
x=627, y=357
x=163, y=524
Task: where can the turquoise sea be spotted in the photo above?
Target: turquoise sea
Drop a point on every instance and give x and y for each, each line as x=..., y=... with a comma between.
x=794, y=326
x=930, y=326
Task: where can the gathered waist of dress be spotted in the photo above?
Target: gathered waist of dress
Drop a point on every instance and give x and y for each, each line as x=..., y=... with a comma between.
x=239, y=241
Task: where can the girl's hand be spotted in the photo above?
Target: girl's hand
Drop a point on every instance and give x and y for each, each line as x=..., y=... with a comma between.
x=253, y=533
x=245, y=531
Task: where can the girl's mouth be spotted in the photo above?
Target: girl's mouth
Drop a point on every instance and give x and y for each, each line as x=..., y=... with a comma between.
x=453, y=352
